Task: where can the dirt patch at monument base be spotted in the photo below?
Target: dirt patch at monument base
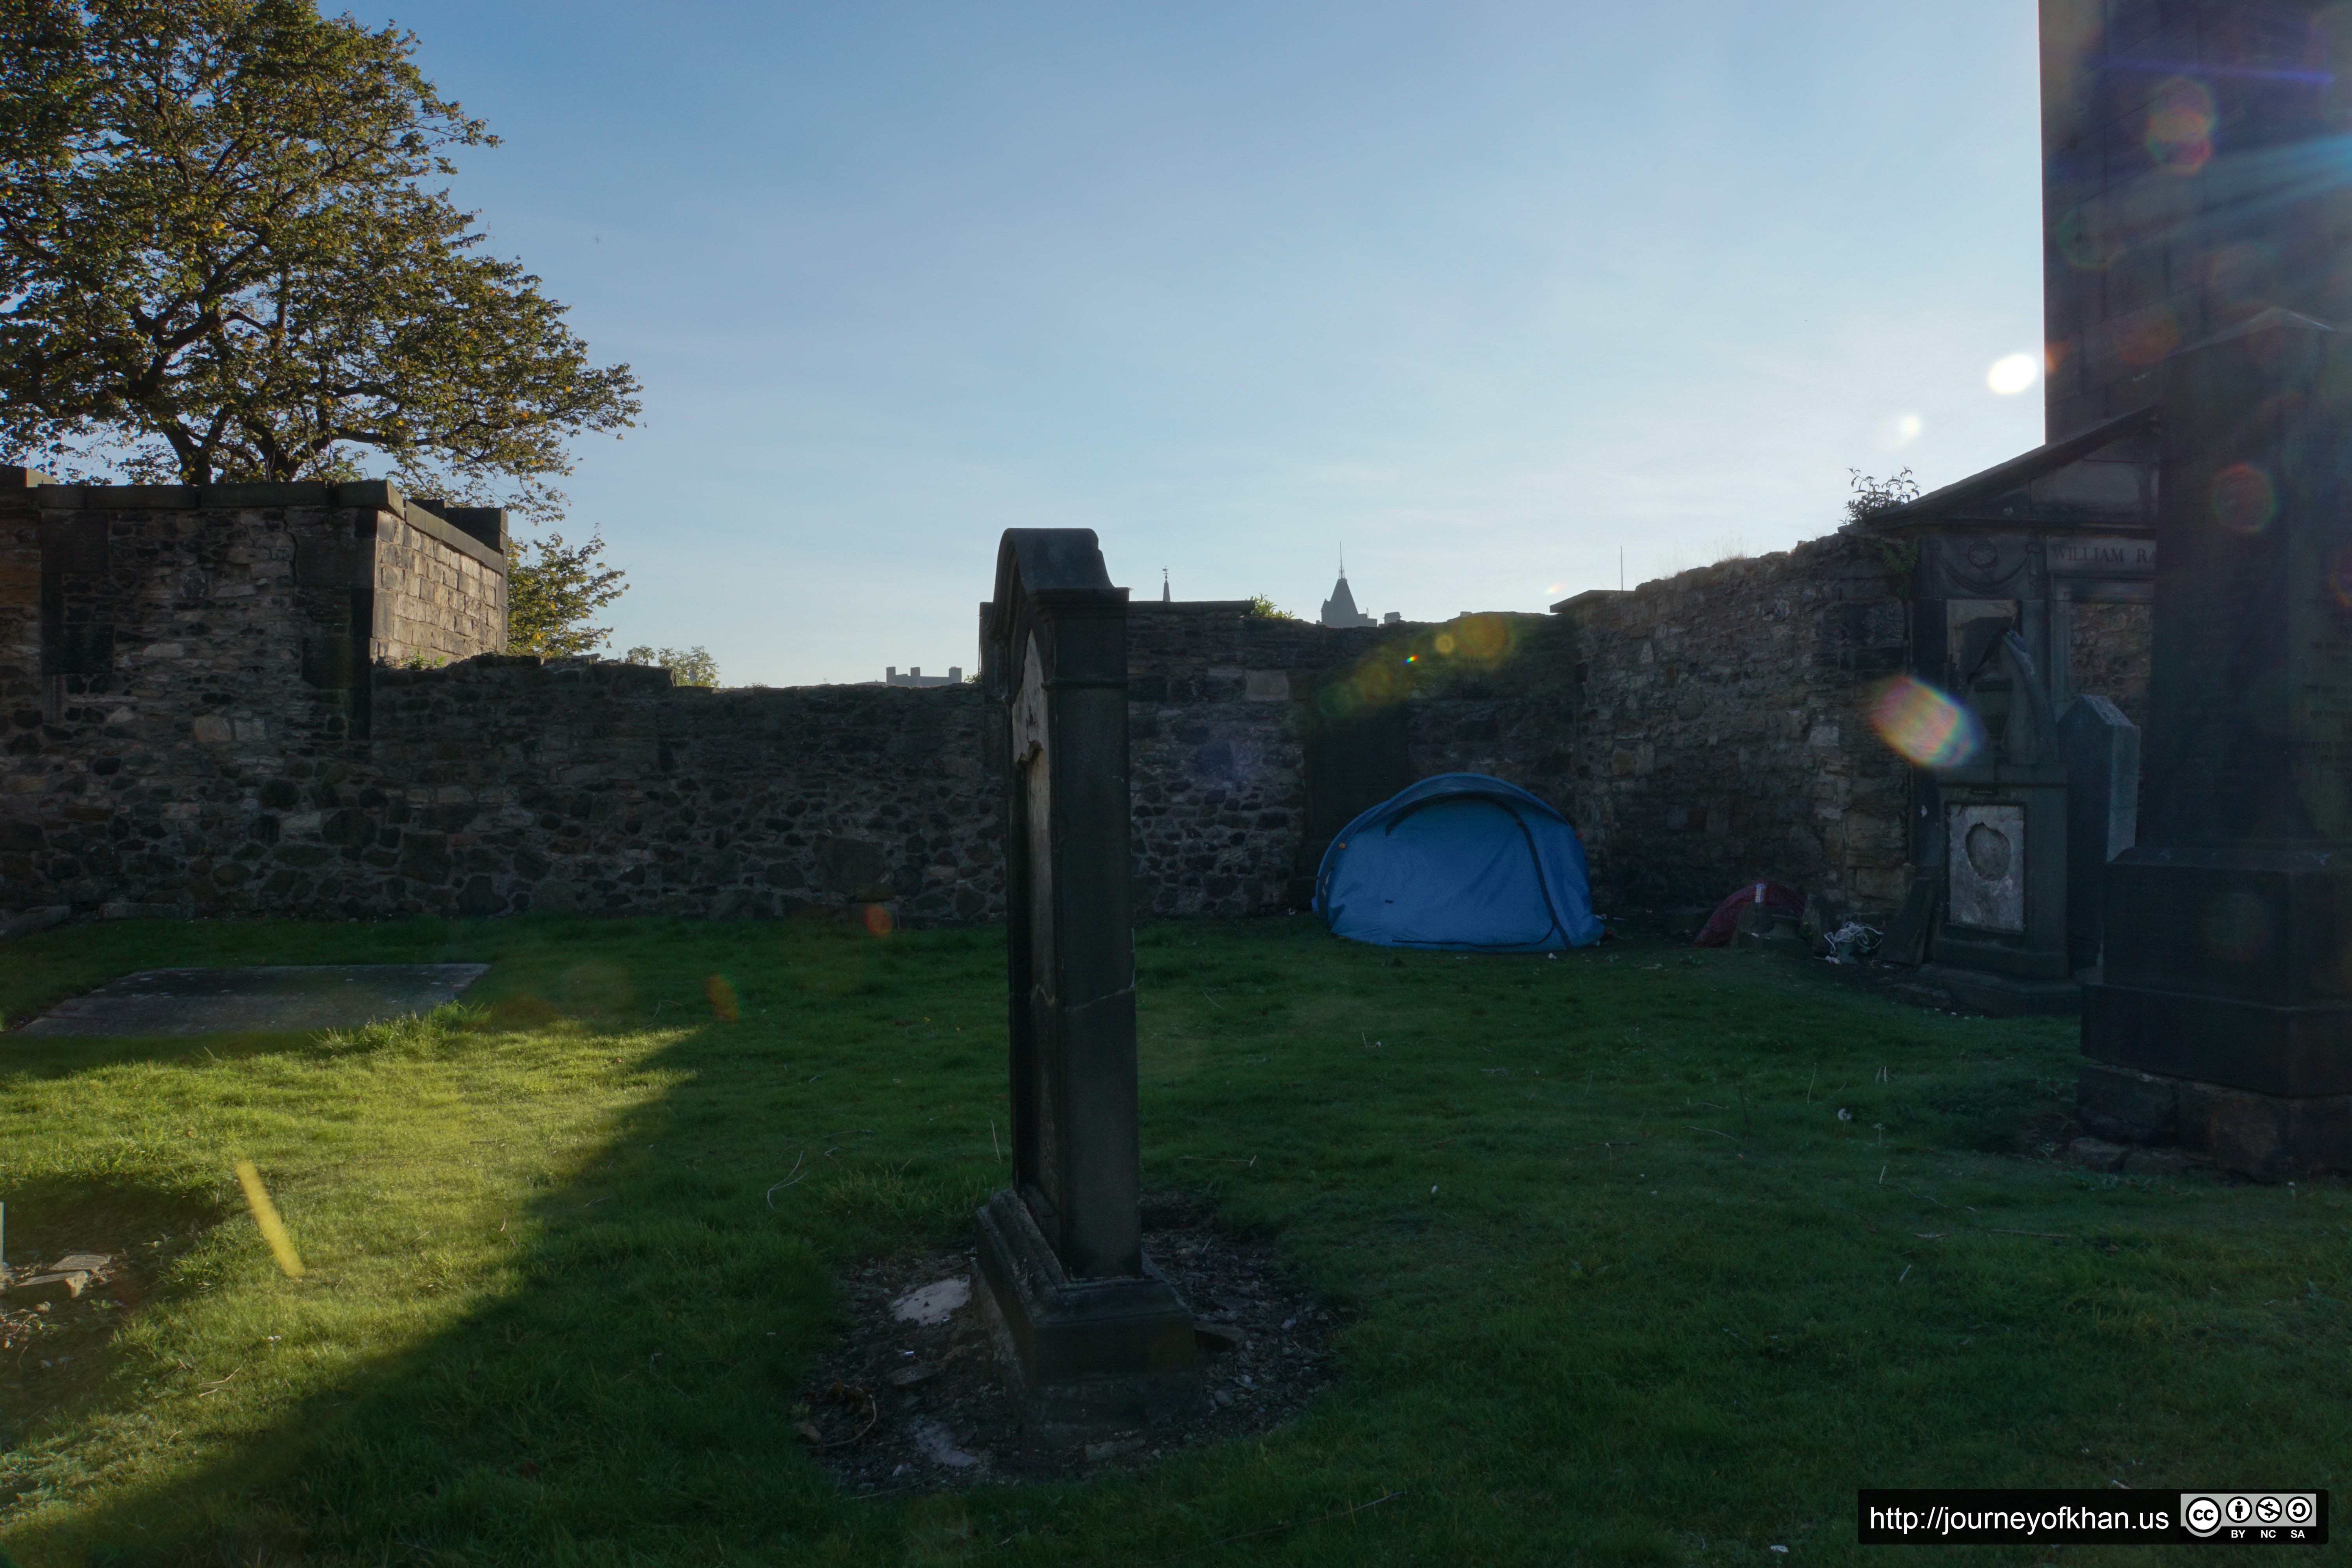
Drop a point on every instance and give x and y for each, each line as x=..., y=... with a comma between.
x=897, y=1406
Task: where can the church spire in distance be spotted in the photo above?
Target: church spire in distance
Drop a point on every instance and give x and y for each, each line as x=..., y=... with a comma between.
x=1339, y=609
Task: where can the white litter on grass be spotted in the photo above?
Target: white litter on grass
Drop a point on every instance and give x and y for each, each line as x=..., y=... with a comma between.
x=939, y=1446
x=934, y=1302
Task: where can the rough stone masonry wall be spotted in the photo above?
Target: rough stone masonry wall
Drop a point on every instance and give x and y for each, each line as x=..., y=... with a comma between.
x=207, y=726
x=1721, y=732
x=1218, y=732
x=2108, y=653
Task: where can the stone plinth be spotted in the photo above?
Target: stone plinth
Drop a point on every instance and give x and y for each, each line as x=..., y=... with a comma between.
x=2229, y=927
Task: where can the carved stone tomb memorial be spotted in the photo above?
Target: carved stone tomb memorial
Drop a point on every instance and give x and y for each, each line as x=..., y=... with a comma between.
x=2223, y=1019
x=1094, y=1340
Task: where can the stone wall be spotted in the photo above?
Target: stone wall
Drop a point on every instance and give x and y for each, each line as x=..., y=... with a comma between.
x=440, y=590
x=1225, y=709
x=1721, y=734
x=228, y=704
x=2108, y=644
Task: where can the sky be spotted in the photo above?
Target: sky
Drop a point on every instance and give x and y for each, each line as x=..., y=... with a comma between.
x=1489, y=296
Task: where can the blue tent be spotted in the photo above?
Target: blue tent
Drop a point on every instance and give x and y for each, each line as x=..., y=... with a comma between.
x=1460, y=861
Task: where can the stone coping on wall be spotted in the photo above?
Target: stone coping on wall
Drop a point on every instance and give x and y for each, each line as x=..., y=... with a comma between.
x=378, y=495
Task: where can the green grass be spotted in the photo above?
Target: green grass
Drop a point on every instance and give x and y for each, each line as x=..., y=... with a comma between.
x=1618, y=1284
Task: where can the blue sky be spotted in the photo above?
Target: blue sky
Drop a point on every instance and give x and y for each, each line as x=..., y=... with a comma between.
x=1484, y=293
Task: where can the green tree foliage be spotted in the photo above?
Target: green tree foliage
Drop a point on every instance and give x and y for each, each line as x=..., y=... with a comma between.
x=219, y=260
x=1263, y=608
x=550, y=596
x=686, y=666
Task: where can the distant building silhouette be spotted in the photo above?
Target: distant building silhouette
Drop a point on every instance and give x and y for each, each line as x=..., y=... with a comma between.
x=914, y=677
x=1339, y=609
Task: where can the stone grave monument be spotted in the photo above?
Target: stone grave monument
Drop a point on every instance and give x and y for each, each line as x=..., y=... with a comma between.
x=1094, y=1340
x=2223, y=1020
x=2002, y=944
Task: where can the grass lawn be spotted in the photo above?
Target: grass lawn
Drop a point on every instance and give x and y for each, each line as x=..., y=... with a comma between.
x=1647, y=1255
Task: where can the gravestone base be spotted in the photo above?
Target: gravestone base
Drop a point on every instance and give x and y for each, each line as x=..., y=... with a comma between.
x=2226, y=966
x=2002, y=995
x=1084, y=1358
x=2270, y=1136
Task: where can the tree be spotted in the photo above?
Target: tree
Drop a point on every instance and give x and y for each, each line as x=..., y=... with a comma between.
x=686, y=666
x=218, y=260
x=549, y=600
x=1262, y=607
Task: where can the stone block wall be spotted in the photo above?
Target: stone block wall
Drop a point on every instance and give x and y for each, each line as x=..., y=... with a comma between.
x=1223, y=708
x=504, y=785
x=1721, y=735
x=2108, y=644
x=228, y=704
x=440, y=592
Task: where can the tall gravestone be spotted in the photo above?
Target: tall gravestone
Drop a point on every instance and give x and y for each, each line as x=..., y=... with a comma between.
x=1094, y=1340
x=2224, y=1020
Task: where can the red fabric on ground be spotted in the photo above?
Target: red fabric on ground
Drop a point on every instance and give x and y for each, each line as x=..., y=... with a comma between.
x=1719, y=925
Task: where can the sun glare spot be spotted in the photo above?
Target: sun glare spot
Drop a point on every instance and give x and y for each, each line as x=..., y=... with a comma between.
x=2013, y=374
x=2244, y=501
x=1896, y=432
x=2180, y=124
x=1924, y=725
x=721, y=996
x=265, y=1214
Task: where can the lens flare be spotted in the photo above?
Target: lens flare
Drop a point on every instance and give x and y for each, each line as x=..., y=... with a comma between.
x=2237, y=926
x=2244, y=501
x=1483, y=637
x=2090, y=237
x=1922, y=724
x=1410, y=664
x=2146, y=336
x=265, y=1214
x=1896, y=431
x=2339, y=578
x=2013, y=374
x=2181, y=122
x=722, y=997
x=878, y=918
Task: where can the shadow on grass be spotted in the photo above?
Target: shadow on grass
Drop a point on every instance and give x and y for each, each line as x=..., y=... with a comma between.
x=626, y=1393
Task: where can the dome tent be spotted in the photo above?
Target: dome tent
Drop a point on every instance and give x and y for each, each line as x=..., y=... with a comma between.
x=1461, y=861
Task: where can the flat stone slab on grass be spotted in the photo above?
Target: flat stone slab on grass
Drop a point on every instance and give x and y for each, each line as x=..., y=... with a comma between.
x=280, y=998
